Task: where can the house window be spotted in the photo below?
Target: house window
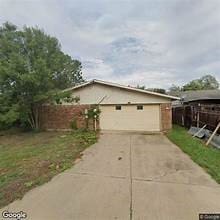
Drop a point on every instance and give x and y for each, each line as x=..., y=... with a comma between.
x=118, y=107
x=140, y=107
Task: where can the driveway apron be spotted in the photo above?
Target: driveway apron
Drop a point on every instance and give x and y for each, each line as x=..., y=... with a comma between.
x=125, y=176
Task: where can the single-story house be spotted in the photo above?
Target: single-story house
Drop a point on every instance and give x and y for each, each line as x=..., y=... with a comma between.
x=197, y=108
x=196, y=97
x=122, y=108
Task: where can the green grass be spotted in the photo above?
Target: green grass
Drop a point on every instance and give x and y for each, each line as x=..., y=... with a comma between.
x=206, y=157
x=31, y=159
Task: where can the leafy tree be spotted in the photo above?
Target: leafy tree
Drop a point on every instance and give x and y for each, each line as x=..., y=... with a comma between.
x=33, y=69
x=204, y=83
x=158, y=90
x=175, y=88
x=140, y=87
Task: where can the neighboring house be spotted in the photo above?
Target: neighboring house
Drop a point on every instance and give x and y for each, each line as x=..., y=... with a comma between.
x=197, y=108
x=205, y=97
x=123, y=108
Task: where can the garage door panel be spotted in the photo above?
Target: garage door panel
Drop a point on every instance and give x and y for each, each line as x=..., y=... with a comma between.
x=129, y=118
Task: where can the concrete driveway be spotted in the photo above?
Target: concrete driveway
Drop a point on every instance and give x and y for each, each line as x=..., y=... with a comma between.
x=126, y=176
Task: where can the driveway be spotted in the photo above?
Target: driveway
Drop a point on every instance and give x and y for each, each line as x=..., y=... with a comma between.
x=126, y=176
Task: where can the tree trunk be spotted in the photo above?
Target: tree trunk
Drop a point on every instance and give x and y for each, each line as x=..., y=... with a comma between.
x=37, y=117
x=34, y=117
x=31, y=121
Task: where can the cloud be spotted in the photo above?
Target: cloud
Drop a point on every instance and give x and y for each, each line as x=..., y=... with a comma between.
x=151, y=42
x=99, y=66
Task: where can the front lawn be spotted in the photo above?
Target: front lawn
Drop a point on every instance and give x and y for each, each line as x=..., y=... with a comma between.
x=206, y=157
x=31, y=159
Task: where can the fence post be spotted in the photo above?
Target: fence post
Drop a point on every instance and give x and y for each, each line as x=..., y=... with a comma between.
x=183, y=117
x=197, y=118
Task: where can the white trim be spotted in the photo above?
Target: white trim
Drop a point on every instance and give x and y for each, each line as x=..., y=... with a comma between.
x=78, y=86
x=123, y=87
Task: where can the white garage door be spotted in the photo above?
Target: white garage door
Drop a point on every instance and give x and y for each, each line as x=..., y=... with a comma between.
x=130, y=117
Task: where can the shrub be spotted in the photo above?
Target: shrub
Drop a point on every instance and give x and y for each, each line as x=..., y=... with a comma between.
x=73, y=124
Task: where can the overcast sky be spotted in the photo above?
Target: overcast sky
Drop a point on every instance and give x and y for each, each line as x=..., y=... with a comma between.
x=147, y=42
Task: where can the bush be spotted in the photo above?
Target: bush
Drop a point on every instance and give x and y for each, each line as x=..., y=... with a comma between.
x=73, y=124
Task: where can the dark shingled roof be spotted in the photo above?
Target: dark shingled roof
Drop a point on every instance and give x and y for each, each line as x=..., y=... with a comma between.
x=189, y=96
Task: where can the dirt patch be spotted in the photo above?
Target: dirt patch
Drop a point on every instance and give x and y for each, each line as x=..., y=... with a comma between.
x=31, y=159
x=12, y=190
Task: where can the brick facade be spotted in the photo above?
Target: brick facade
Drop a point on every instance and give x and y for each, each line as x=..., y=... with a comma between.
x=59, y=117
x=166, y=116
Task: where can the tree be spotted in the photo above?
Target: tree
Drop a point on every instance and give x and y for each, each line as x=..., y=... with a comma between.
x=140, y=87
x=204, y=83
x=174, y=90
x=33, y=69
x=158, y=90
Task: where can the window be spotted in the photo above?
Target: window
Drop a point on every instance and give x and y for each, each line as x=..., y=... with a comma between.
x=140, y=107
x=118, y=107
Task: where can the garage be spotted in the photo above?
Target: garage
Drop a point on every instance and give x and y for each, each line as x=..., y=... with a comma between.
x=130, y=117
x=122, y=108
x=126, y=108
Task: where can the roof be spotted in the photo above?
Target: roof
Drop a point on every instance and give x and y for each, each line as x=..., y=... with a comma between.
x=122, y=87
x=189, y=96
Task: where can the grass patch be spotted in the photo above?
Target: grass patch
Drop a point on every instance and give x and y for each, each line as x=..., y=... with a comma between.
x=206, y=157
x=31, y=159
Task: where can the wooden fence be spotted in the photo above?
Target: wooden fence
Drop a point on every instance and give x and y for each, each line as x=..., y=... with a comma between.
x=198, y=116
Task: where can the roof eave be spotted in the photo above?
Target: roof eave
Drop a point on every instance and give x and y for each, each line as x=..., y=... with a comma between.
x=123, y=87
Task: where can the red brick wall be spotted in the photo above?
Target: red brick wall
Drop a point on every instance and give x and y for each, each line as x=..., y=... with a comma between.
x=166, y=116
x=57, y=117
x=60, y=116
